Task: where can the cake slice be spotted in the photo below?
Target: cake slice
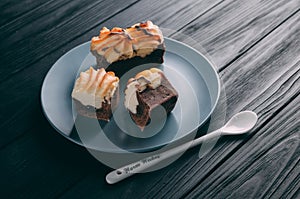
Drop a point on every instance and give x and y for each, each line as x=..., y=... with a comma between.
x=146, y=91
x=119, y=50
x=95, y=93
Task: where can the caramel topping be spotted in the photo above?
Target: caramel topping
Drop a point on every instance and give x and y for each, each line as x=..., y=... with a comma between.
x=147, y=73
x=94, y=87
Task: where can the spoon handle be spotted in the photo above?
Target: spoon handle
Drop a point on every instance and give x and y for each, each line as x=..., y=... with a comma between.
x=141, y=165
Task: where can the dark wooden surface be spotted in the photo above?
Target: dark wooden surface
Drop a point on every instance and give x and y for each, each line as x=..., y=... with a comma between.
x=255, y=46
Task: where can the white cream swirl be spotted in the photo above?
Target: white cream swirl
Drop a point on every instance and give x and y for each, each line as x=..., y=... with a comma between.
x=94, y=87
x=141, y=39
x=146, y=79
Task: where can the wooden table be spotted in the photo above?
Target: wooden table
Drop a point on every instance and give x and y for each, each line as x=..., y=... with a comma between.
x=255, y=46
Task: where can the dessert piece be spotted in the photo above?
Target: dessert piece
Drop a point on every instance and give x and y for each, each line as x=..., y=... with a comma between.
x=119, y=50
x=96, y=93
x=149, y=89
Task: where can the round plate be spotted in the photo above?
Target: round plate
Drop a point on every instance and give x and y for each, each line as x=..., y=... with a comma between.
x=191, y=74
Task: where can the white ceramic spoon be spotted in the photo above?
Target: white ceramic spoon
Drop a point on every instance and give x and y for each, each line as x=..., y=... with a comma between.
x=240, y=123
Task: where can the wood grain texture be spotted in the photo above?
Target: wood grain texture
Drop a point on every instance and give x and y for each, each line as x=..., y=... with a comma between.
x=262, y=164
x=30, y=131
x=231, y=28
x=13, y=9
x=32, y=22
x=276, y=90
x=27, y=75
x=69, y=19
x=290, y=186
x=63, y=25
x=32, y=76
x=170, y=14
x=43, y=165
x=258, y=43
x=136, y=187
x=28, y=83
x=259, y=70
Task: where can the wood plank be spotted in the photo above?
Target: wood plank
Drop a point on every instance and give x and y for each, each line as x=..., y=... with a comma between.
x=288, y=187
x=271, y=62
x=230, y=29
x=12, y=9
x=34, y=21
x=170, y=14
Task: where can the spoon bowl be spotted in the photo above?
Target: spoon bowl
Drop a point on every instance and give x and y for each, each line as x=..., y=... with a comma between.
x=240, y=123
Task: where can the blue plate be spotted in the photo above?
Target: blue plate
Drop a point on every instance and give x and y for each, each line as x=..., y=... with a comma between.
x=192, y=75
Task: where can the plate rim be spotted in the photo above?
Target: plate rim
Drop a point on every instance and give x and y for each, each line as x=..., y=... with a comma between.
x=213, y=106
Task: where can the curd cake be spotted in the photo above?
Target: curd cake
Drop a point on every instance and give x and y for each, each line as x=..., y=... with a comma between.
x=119, y=50
x=146, y=91
x=96, y=93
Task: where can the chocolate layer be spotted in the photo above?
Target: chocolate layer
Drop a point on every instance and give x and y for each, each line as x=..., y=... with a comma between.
x=164, y=95
x=104, y=113
x=122, y=66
